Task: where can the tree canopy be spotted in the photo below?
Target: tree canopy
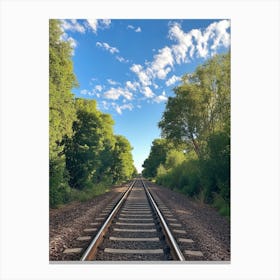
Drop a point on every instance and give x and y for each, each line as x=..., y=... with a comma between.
x=196, y=125
x=84, y=152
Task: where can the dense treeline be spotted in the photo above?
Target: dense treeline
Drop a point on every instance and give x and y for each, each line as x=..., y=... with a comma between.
x=194, y=155
x=84, y=154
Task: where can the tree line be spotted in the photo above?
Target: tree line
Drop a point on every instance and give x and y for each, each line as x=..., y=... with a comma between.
x=84, y=154
x=193, y=155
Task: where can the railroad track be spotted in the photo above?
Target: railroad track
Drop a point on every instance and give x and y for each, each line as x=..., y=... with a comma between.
x=136, y=227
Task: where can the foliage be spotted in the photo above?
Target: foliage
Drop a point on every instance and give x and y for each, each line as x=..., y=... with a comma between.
x=61, y=110
x=123, y=167
x=94, y=154
x=85, y=155
x=85, y=149
x=197, y=118
x=156, y=157
x=201, y=105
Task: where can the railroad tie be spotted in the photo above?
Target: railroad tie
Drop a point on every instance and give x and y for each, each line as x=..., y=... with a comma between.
x=84, y=238
x=72, y=250
x=90, y=229
x=134, y=230
x=185, y=240
x=179, y=231
x=134, y=224
x=175, y=225
x=143, y=239
x=193, y=253
x=133, y=251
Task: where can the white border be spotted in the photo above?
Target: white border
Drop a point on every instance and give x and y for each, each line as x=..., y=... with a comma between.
x=24, y=137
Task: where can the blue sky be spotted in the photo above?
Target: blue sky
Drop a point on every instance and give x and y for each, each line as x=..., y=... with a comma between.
x=131, y=66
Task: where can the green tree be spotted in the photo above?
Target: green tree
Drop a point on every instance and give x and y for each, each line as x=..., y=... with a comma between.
x=61, y=110
x=89, y=151
x=199, y=116
x=174, y=158
x=123, y=167
x=157, y=156
x=201, y=105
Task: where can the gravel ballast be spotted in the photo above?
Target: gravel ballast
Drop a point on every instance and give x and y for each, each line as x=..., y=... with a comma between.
x=205, y=227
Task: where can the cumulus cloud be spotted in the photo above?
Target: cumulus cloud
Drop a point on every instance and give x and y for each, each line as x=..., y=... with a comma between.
x=144, y=76
x=200, y=42
x=133, y=86
x=119, y=109
x=122, y=59
x=105, y=22
x=172, y=80
x=105, y=105
x=98, y=87
x=107, y=47
x=115, y=93
x=72, y=25
x=95, y=24
x=184, y=42
x=161, y=98
x=87, y=92
x=136, y=29
x=147, y=92
x=112, y=82
x=162, y=61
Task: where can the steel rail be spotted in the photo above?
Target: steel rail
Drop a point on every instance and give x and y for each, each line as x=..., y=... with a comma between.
x=90, y=251
x=172, y=242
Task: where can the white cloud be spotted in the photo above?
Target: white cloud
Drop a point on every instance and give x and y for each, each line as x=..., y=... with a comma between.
x=143, y=76
x=198, y=41
x=133, y=86
x=105, y=22
x=98, y=87
x=119, y=109
x=161, y=98
x=112, y=93
x=161, y=63
x=86, y=92
x=72, y=25
x=138, y=29
x=112, y=82
x=184, y=42
x=147, y=92
x=73, y=44
x=107, y=47
x=136, y=68
x=105, y=104
x=172, y=80
x=121, y=59
x=95, y=24
x=155, y=86
x=115, y=93
x=222, y=36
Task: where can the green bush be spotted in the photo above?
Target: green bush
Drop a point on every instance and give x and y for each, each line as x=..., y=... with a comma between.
x=59, y=191
x=221, y=205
